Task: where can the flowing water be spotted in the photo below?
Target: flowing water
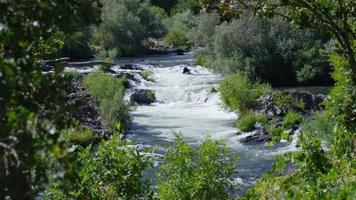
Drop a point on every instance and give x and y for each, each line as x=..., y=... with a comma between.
x=185, y=104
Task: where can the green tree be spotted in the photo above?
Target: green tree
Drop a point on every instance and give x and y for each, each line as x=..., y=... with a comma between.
x=202, y=173
x=34, y=105
x=126, y=23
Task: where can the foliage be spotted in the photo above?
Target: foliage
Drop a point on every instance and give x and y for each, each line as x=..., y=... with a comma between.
x=238, y=93
x=277, y=135
x=184, y=5
x=147, y=75
x=202, y=173
x=113, y=171
x=268, y=50
x=248, y=121
x=280, y=98
x=34, y=106
x=151, y=96
x=179, y=27
x=126, y=23
x=84, y=137
x=321, y=125
x=341, y=107
x=77, y=45
x=167, y=5
x=109, y=92
x=291, y=119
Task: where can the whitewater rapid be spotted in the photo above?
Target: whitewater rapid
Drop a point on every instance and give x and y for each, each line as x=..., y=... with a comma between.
x=189, y=104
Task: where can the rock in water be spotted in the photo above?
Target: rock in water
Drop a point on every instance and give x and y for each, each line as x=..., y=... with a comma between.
x=258, y=136
x=143, y=97
x=186, y=70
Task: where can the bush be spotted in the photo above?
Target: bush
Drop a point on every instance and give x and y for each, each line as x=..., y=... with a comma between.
x=126, y=24
x=113, y=171
x=108, y=92
x=277, y=135
x=292, y=119
x=279, y=98
x=248, y=121
x=151, y=96
x=320, y=125
x=268, y=50
x=147, y=75
x=238, y=93
x=202, y=173
x=184, y=5
x=179, y=27
x=83, y=137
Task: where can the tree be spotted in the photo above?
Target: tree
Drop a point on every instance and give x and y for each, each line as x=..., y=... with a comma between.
x=34, y=105
x=335, y=16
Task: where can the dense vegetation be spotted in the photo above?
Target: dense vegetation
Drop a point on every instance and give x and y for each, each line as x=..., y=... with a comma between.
x=109, y=92
x=41, y=152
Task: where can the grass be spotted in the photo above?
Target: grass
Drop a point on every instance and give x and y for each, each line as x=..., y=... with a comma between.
x=147, y=75
x=109, y=92
x=151, y=95
x=291, y=119
x=248, y=121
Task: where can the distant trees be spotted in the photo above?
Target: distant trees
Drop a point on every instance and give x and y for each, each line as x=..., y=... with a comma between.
x=268, y=50
x=125, y=24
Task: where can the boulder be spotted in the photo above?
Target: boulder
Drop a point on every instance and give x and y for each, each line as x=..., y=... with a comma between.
x=310, y=100
x=143, y=97
x=179, y=52
x=131, y=67
x=257, y=136
x=186, y=70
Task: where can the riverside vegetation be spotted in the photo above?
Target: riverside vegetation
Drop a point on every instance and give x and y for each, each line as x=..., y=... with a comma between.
x=45, y=153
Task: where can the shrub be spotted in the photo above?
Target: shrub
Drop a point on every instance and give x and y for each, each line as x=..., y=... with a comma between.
x=147, y=75
x=151, y=96
x=292, y=119
x=238, y=93
x=202, y=173
x=126, y=24
x=269, y=50
x=83, y=137
x=179, y=27
x=279, y=98
x=113, y=171
x=248, y=121
x=108, y=92
x=320, y=125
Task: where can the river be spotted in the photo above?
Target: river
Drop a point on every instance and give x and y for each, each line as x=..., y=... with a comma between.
x=186, y=105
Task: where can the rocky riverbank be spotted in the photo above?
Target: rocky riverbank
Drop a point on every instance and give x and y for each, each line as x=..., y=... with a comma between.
x=276, y=106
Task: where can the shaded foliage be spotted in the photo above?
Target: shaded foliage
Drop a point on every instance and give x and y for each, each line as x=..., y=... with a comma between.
x=34, y=106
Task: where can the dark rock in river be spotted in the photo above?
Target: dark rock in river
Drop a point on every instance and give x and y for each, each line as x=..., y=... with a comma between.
x=131, y=67
x=186, y=70
x=179, y=52
x=129, y=76
x=258, y=136
x=143, y=97
x=311, y=101
x=267, y=105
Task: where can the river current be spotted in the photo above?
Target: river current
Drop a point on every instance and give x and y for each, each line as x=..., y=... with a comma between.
x=186, y=104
